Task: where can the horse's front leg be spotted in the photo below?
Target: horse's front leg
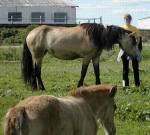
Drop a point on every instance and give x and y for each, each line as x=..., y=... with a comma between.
x=95, y=62
x=85, y=65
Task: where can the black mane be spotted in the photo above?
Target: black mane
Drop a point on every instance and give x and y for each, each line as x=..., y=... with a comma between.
x=104, y=37
x=97, y=34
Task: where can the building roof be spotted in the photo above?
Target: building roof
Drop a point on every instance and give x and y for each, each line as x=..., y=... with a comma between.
x=145, y=18
x=37, y=3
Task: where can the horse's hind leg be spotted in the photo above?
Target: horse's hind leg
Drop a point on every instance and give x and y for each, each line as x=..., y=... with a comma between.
x=34, y=81
x=37, y=67
x=95, y=62
x=37, y=58
x=85, y=65
x=40, y=82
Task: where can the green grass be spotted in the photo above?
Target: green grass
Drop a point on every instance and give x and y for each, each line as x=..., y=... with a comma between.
x=133, y=104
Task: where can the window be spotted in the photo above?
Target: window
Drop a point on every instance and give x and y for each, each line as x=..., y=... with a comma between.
x=60, y=17
x=15, y=16
x=38, y=17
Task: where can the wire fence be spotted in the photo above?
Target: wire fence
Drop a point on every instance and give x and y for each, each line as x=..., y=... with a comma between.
x=43, y=20
x=89, y=20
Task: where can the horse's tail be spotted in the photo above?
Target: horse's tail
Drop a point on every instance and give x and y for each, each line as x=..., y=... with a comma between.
x=14, y=121
x=27, y=64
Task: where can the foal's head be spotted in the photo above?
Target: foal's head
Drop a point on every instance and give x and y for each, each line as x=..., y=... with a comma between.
x=125, y=39
x=101, y=100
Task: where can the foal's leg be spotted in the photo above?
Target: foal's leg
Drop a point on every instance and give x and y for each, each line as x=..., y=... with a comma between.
x=95, y=62
x=85, y=65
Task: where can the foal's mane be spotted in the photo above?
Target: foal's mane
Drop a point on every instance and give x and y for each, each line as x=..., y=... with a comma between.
x=86, y=91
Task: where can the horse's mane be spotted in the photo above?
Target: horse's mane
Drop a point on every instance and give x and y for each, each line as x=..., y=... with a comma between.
x=103, y=37
x=86, y=91
x=97, y=34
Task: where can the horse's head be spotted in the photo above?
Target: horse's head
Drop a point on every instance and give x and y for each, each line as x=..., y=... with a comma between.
x=101, y=100
x=126, y=41
x=107, y=107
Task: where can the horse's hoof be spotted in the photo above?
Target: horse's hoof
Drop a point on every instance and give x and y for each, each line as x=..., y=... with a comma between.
x=98, y=82
x=85, y=84
x=34, y=89
x=79, y=86
x=43, y=89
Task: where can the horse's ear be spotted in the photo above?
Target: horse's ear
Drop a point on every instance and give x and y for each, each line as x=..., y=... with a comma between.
x=113, y=91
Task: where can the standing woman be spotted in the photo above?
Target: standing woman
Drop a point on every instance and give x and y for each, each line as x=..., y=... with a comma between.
x=125, y=58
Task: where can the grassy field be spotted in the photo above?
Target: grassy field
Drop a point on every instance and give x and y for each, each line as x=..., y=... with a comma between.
x=133, y=104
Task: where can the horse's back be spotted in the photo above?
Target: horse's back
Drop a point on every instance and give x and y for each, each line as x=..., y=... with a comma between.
x=44, y=29
x=37, y=35
x=71, y=116
x=50, y=115
x=61, y=42
x=70, y=43
x=42, y=114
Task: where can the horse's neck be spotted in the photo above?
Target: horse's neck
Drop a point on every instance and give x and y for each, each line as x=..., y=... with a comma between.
x=112, y=39
x=94, y=105
x=106, y=40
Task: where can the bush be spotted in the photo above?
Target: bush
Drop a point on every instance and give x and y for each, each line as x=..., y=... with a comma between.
x=14, y=36
x=6, y=33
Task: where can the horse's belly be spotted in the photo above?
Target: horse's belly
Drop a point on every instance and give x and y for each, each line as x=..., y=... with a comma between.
x=65, y=51
x=72, y=51
x=64, y=54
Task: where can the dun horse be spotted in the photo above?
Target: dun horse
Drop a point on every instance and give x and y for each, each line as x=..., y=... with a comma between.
x=84, y=41
x=76, y=114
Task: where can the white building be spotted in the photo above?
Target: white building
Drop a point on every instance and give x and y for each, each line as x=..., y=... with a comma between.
x=144, y=23
x=37, y=11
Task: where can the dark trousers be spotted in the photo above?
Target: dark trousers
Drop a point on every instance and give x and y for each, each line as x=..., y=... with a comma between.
x=135, y=65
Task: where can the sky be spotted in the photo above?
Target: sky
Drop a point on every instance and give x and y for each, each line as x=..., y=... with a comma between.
x=112, y=11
